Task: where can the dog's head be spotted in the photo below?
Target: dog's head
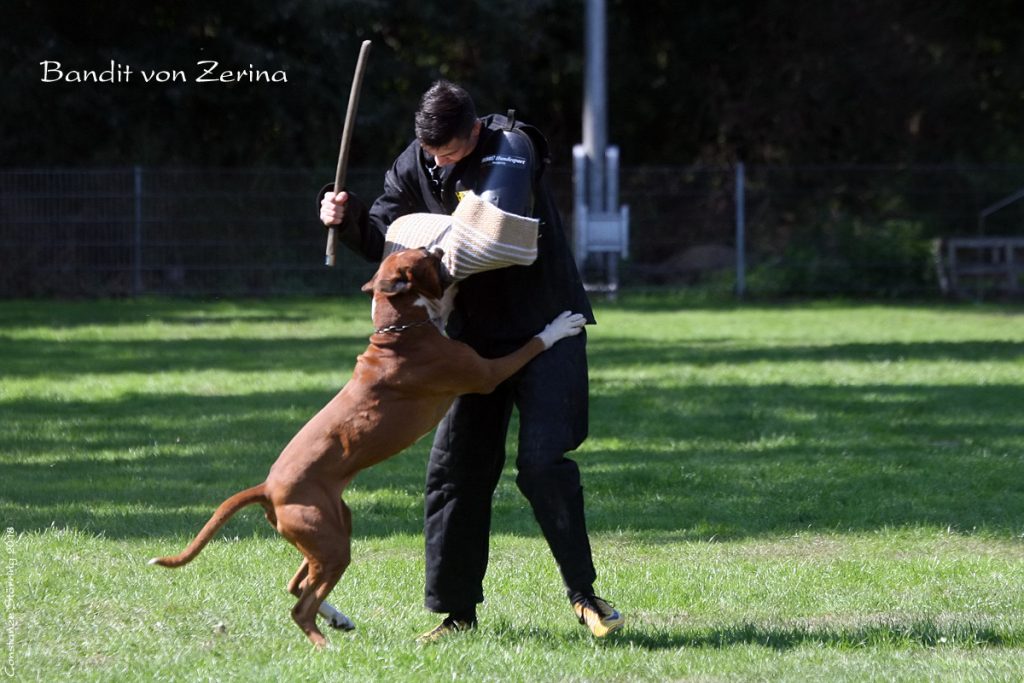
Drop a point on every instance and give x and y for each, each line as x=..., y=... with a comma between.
x=413, y=271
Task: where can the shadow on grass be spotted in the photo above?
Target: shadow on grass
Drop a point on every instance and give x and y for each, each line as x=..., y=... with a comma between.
x=34, y=358
x=665, y=300
x=922, y=632
x=152, y=465
x=687, y=463
x=631, y=352
x=66, y=315
x=679, y=462
x=51, y=359
x=741, y=460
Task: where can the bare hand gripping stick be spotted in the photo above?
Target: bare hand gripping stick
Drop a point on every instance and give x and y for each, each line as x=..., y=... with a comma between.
x=346, y=138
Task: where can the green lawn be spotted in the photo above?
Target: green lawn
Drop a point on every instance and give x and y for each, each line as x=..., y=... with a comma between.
x=804, y=492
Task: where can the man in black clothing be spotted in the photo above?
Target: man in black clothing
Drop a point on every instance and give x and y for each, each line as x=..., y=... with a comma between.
x=501, y=160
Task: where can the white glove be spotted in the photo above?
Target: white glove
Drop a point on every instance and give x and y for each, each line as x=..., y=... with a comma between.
x=567, y=324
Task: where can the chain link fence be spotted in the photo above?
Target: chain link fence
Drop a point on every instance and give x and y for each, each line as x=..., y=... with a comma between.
x=809, y=230
x=813, y=230
x=135, y=231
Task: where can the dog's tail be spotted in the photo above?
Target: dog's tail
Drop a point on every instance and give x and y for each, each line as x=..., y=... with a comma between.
x=257, y=494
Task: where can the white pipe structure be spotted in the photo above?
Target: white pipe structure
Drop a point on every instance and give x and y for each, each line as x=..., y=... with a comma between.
x=595, y=103
x=600, y=225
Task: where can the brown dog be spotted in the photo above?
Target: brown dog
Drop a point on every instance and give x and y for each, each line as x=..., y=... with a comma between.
x=402, y=386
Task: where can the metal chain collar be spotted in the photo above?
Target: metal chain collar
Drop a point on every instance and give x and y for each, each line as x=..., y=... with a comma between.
x=394, y=329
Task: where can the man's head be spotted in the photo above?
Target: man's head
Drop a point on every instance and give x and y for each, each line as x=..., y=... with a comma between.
x=446, y=123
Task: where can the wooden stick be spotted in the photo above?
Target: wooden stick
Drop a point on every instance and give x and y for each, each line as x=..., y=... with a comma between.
x=346, y=138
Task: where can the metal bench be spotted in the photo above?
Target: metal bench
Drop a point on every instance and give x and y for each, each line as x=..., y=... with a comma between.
x=976, y=265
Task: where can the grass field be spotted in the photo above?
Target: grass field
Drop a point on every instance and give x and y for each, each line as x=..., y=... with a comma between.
x=805, y=492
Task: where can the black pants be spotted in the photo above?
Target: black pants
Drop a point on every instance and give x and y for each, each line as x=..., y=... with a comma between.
x=466, y=462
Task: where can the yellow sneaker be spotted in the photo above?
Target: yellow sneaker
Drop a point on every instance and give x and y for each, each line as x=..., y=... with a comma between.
x=598, y=615
x=446, y=628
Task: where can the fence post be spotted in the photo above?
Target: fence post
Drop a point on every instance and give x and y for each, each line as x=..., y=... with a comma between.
x=137, y=235
x=741, y=230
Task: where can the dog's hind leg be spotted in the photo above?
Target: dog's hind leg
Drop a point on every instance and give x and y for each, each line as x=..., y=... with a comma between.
x=317, y=586
x=295, y=585
x=335, y=618
x=326, y=546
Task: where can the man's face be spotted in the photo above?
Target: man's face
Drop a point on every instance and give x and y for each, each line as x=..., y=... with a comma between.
x=455, y=150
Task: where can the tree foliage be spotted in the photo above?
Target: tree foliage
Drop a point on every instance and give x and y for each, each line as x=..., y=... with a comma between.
x=704, y=81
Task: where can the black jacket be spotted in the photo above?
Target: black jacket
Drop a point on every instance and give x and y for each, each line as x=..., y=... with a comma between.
x=498, y=310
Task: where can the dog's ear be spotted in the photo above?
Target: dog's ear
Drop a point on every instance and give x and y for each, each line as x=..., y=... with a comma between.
x=427, y=282
x=390, y=285
x=368, y=287
x=426, y=276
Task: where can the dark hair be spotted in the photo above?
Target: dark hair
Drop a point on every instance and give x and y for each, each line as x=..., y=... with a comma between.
x=446, y=112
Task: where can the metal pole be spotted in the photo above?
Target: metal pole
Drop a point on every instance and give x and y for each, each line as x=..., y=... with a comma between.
x=137, y=235
x=1001, y=204
x=741, y=231
x=579, y=214
x=595, y=104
